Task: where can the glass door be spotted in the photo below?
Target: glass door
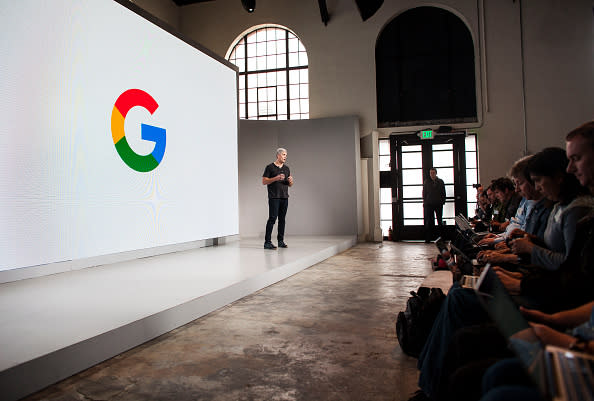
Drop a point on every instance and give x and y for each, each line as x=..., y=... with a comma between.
x=411, y=160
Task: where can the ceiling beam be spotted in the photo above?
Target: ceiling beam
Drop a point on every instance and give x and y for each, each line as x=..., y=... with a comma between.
x=324, y=12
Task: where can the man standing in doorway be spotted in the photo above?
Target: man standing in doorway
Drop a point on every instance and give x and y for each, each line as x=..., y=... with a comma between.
x=434, y=197
x=277, y=176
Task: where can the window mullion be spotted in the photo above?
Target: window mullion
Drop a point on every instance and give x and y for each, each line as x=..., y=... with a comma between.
x=287, y=74
x=245, y=77
x=264, y=45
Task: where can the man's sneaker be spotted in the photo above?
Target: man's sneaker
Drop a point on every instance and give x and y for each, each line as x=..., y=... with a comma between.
x=281, y=244
x=269, y=245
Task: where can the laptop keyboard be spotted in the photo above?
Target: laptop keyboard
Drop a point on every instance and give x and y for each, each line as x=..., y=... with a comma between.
x=577, y=375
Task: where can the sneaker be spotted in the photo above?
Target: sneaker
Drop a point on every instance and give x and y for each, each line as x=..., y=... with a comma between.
x=281, y=244
x=269, y=245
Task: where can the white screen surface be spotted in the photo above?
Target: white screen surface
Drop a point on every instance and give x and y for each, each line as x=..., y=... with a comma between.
x=65, y=192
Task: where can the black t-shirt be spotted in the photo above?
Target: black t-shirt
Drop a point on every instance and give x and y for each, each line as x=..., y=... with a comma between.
x=278, y=189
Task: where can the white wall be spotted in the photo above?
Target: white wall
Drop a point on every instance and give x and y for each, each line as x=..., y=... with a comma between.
x=558, y=50
x=550, y=70
x=323, y=155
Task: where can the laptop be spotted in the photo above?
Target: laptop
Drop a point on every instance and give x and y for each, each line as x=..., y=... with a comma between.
x=464, y=226
x=467, y=280
x=559, y=374
x=443, y=245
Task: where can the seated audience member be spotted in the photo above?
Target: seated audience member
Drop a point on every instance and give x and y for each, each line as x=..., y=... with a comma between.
x=575, y=278
x=495, y=205
x=548, y=171
x=483, y=208
x=508, y=199
x=534, y=222
x=524, y=208
x=468, y=359
x=461, y=308
x=479, y=190
x=507, y=380
x=565, y=288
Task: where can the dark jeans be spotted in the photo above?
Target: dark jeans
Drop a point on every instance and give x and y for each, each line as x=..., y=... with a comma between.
x=276, y=208
x=470, y=352
x=432, y=212
x=461, y=308
x=507, y=381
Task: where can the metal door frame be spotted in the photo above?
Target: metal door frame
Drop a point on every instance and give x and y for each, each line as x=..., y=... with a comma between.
x=400, y=231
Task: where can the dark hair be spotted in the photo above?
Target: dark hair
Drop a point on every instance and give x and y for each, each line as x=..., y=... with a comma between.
x=552, y=162
x=502, y=184
x=585, y=130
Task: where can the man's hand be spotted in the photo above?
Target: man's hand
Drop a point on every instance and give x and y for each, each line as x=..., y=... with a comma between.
x=517, y=233
x=280, y=177
x=502, y=246
x=516, y=275
x=487, y=239
x=537, y=316
x=550, y=336
x=522, y=245
x=290, y=180
x=512, y=285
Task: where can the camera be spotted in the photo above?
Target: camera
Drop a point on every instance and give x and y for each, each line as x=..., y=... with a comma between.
x=476, y=186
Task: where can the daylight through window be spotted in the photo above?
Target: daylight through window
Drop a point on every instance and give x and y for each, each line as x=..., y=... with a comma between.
x=273, y=75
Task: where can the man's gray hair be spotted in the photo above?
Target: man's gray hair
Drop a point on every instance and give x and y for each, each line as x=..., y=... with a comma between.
x=281, y=150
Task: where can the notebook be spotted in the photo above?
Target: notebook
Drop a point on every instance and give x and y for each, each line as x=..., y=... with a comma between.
x=559, y=374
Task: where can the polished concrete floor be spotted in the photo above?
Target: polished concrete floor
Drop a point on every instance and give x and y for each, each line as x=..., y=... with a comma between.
x=326, y=333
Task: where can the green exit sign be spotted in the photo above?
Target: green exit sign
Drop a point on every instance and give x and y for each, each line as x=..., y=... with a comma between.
x=427, y=134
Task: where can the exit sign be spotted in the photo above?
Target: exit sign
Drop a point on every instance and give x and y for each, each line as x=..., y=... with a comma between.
x=427, y=134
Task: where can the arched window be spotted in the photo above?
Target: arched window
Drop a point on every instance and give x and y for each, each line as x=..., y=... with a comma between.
x=273, y=75
x=425, y=70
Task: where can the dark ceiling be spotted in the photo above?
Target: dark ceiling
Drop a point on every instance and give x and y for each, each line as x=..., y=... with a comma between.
x=366, y=7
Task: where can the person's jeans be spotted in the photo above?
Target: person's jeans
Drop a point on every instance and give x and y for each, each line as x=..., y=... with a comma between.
x=507, y=381
x=277, y=208
x=431, y=212
x=461, y=308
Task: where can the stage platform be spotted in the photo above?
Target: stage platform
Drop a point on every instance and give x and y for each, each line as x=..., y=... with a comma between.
x=54, y=326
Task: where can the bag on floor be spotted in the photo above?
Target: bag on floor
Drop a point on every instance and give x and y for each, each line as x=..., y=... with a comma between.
x=414, y=324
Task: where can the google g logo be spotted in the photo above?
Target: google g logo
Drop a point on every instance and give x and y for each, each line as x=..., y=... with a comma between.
x=127, y=100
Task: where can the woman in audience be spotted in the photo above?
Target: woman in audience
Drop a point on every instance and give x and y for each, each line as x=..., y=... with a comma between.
x=547, y=170
x=524, y=187
x=531, y=217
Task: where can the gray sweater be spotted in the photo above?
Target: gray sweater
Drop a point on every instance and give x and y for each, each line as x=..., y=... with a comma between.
x=560, y=232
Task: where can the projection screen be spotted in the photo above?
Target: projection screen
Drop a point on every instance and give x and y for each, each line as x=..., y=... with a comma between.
x=115, y=135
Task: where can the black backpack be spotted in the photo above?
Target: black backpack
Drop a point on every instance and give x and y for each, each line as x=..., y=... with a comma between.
x=414, y=324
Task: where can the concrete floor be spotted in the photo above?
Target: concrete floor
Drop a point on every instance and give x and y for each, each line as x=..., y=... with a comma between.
x=326, y=333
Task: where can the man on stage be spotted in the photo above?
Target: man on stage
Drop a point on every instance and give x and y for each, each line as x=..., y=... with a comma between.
x=277, y=176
